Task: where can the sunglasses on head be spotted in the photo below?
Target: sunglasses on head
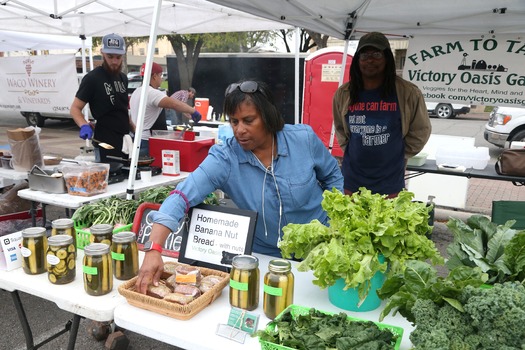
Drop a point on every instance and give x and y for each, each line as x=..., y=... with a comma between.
x=248, y=87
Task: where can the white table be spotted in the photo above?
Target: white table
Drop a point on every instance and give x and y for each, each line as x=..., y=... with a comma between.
x=69, y=297
x=199, y=332
x=68, y=201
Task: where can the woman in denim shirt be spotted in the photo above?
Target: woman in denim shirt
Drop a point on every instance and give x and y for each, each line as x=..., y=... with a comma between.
x=277, y=170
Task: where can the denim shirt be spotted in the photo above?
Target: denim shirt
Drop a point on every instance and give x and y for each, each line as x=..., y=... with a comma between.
x=303, y=170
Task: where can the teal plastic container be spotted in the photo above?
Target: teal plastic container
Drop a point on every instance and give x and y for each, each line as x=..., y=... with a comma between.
x=349, y=299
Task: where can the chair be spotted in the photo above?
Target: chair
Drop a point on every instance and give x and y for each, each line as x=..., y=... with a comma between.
x=509, y=210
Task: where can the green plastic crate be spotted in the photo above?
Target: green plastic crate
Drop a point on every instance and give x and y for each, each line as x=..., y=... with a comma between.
x=83, y=236
x=303, y=310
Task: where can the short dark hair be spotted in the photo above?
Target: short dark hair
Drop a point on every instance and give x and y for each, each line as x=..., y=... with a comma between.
x=192, y=90
x=263, y=101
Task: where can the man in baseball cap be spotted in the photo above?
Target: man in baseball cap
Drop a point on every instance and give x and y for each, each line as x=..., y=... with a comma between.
x=113, y=44
x=105, y=89
x=380, y=120
x=156, y=101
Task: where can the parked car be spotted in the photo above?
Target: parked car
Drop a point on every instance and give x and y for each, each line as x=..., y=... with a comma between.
x=446, y=110
x=506, y=124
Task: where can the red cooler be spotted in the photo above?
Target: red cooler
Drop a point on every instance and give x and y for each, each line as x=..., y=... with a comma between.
x=191, y=153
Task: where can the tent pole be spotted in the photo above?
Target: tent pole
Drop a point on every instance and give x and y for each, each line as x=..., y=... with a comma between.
x=142, y=104
x=297, y=119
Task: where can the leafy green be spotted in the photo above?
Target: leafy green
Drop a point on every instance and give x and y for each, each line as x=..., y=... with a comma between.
x=420, y=280
x=112, y=210
x=155, y=194
x=319, y=330
x=363, y=228
x=482, y=243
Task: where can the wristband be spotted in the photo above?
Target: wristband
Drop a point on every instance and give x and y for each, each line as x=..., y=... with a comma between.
x=183, y=197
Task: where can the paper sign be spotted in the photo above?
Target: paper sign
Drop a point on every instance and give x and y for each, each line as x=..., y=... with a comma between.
x=10, y=245
x=216, y=234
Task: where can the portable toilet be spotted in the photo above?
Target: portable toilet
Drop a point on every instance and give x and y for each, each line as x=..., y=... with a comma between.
x=321, y=79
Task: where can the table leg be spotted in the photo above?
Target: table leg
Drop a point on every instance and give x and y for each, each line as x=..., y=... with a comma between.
x=71, y=326
x=23, y=319
x=44, y=216
x=73, y=332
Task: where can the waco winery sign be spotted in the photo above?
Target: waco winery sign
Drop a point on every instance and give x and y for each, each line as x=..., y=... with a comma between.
x=44, y=84
x=482, y=70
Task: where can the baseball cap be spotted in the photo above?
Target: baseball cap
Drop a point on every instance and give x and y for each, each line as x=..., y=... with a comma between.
x=155, y=69
x=374, y=39
x=113, y=44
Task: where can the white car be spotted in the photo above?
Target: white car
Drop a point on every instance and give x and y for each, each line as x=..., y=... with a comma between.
x=446, y=110
x=506, y=124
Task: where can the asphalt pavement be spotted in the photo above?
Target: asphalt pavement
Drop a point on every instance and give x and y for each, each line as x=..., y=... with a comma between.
x=61, y=138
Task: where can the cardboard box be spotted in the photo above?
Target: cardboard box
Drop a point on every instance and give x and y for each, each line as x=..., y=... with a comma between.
x=10, y=256
x=20, y=134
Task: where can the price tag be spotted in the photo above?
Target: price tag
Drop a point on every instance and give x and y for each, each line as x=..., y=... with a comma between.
x=240, y=324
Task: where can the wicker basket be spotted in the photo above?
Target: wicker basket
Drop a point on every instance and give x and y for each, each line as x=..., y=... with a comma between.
x=180, y=312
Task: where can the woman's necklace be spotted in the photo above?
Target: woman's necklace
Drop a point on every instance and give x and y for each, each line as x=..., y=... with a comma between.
x=269, y=167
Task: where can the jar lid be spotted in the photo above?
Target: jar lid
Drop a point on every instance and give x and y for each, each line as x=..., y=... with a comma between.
x=279, y=265
x=101, y=229
x=245, y=262
x=34, y=232
x=59, y=240
x=124, y=237
x=62, y=223
x=96, y=249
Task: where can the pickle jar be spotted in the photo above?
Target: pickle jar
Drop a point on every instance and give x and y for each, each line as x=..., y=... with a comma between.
x=125, y=255
x=244, y=282
x=60, y=257
x=97, y=269
x=101, y=233
x=278, y=287
x=33, y=250
x=64, y=227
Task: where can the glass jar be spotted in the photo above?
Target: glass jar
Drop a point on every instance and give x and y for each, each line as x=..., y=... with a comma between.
x=33, y=250
x=244, y=282
x=64, y=227
x=97, y=269
x=278, y=287
x=125, y=255
x=101, y=233
x=60, y=257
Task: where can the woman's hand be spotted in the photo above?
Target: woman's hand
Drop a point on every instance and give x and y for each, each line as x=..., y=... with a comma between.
x=150, y=271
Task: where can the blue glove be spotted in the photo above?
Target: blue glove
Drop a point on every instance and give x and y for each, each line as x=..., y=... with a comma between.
x=196, y=116
x=86, y=132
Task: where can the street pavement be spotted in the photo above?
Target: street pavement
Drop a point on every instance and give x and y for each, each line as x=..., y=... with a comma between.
x=61, y=138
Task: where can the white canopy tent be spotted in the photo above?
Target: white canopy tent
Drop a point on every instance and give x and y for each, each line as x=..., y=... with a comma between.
x=405, y=18
x=128, y=18
x=18, y=41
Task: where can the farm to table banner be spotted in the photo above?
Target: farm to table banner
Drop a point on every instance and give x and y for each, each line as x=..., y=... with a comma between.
x=469, y=69
x=44, y=83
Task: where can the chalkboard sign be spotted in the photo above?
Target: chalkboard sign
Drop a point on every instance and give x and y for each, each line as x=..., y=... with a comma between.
x=142, y=225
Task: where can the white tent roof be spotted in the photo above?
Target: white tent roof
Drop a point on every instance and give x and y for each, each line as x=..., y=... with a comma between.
x=18, y=41
x=126, y=17
x=398, y=17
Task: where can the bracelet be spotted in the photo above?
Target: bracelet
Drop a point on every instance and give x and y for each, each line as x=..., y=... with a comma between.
x=183, y=197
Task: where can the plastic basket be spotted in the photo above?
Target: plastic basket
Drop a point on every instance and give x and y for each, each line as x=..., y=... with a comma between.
x=297, y=310
x=83, y=236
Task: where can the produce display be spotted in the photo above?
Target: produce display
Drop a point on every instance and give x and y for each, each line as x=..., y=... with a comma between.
x=497, y=250
x=362, y=227
x=310, y=329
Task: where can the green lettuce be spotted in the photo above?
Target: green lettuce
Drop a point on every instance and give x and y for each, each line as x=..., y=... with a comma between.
x=363, y=229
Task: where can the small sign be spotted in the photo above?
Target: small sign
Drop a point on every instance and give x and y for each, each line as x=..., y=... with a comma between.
x=240, y=324
x=216, y=234
x=10, y=246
